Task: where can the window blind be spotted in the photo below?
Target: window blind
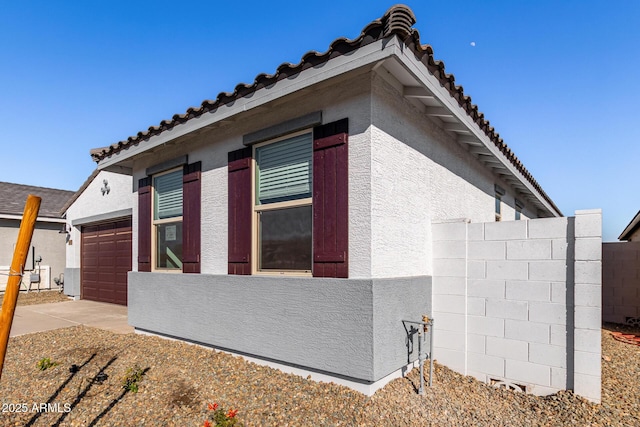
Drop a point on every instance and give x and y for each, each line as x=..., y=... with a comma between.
x=168, y=192
x=284, y=170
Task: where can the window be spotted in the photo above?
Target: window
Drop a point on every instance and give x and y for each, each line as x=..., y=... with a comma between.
x=499, y=192
x=167, y=220
x=169, y=215
x=519, y=207
x=283, y=204
x=288, y=203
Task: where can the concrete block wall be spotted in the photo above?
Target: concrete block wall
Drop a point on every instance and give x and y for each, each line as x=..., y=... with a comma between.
x=519, y=302
x=621, y=282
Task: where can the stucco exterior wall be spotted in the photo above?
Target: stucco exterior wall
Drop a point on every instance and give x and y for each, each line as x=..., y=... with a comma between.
x=47, y=243
x=405, y=171
x=621, y=282
x=347, y=98
x=349, y=328
x=8, y=235
x=419, y=173
x=93, y=206
x=92, y=203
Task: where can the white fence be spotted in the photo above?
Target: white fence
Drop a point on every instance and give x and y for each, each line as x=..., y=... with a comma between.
x=519, y=303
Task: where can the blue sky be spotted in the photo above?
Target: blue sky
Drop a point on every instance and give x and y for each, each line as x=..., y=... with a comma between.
x=557, y=80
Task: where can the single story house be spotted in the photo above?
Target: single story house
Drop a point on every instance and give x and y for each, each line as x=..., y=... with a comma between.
x=47, y=243
x=298, y=220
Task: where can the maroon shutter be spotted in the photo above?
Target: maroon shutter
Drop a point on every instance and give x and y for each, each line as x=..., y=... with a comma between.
x=144, y=224
x=240, y=211
x=330, y=200
x=191, y=218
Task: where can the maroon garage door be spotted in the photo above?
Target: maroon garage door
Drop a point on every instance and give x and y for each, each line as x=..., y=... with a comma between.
x=106, y=259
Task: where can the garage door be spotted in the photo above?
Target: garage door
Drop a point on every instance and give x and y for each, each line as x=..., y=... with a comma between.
x=106, y=259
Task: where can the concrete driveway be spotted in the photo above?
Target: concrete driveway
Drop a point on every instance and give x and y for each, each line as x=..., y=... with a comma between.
x=44, y=317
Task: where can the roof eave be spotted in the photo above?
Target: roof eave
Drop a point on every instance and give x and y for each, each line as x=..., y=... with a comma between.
x=629, y=229
x=462, y=125
x=365, y=56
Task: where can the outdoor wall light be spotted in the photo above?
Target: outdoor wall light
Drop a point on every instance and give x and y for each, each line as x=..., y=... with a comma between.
x=105, y=188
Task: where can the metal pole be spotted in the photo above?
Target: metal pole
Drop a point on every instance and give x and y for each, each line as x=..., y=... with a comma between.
x=421, y=358
x=31, y=209
x=431, y=355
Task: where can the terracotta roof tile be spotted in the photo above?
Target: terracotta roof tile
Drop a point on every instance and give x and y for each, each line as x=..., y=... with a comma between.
x=397, y=21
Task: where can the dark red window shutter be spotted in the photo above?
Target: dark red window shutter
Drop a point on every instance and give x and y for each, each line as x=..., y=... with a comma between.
x=191, y=191
x=240, y=211
x=144, y=224
x=330, y=200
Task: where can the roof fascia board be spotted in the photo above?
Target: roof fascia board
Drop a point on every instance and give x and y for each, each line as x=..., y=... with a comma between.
x=38, y=219
x=123, y=213
x=421, y=73
x=630, y=228
x=366, y=55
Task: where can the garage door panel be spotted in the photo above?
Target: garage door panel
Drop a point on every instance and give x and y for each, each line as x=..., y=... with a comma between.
x=106, y=261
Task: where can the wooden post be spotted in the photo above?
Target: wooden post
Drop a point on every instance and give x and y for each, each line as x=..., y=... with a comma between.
x=10, y=299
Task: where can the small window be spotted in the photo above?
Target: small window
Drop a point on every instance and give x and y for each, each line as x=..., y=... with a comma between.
x=499, y=192
x=283, y=204
x=519, y=207
x=167, y=220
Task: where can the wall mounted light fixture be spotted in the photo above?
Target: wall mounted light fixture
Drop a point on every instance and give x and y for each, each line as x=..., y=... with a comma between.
x=105, y=188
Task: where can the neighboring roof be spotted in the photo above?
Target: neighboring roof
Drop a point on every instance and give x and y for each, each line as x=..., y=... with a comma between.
x=14, y=196
x=631, y=228
x=77, y=194
x=397, y=21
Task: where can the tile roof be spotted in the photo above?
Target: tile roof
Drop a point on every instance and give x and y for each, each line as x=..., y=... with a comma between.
x=397, y=21
x=14, y=196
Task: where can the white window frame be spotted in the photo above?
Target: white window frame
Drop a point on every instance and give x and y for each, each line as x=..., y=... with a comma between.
x=256, y=209
x=155, y=222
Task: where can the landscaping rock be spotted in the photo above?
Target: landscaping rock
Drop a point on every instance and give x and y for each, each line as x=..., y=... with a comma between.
x=180, y=379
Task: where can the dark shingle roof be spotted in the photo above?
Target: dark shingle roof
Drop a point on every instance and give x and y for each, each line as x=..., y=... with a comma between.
x=14, y=196
x=397, y=21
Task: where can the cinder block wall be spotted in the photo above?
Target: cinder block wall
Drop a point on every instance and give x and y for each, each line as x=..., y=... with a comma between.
x=519, y=302
x=621, y=282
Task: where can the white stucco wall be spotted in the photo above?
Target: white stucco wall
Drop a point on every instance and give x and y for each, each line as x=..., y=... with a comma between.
x=92, y=203
x=350, y=97
x=404, y=172
x=419, y=173
x=46, y=242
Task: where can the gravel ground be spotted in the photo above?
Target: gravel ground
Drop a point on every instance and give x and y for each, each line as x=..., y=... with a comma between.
x=180, y=379
x=35, y=297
